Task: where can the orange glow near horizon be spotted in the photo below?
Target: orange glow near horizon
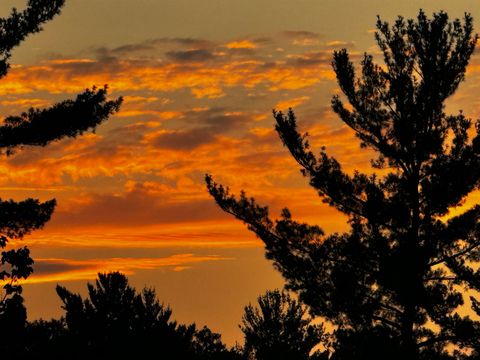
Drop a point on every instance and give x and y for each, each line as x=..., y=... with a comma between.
x=73, y=270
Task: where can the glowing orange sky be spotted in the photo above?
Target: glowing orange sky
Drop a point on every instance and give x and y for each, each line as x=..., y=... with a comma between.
x=199, y=82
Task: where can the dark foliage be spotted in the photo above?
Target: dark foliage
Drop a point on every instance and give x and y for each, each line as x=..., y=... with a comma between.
x=35, y=127
x=15, y=28
x=45, y=340
x=19, y=219
x=394, y=284
x=68, y=118
x=279, y=328
x=113, y=322
x=117, y=322
x=208, y=345
x=13, y=317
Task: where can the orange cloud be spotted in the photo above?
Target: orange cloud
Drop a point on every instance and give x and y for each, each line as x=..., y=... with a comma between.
x=305, y=42
x=25, y=103
x=59, y=270
x=224, y=234
x=175, y=193
x=129, y=99
x=186, y=114
x=164, y=115
x=205, y=79
x=302, y=38
x=241, y=44
x=339, y=44
x=70, y=61
x=292, y=103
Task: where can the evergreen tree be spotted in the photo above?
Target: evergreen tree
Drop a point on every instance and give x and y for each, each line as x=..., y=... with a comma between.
x=393, y=285
x=36, y=127
x=279, y=328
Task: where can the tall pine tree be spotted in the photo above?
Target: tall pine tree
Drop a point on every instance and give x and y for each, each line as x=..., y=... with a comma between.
x=36, y=127
x=394, y=284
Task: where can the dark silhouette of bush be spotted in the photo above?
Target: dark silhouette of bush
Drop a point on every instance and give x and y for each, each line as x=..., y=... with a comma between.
x=393, y=285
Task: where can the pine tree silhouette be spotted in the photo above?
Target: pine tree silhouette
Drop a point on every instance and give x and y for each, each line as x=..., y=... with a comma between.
x=36, y=127
x=394, y=284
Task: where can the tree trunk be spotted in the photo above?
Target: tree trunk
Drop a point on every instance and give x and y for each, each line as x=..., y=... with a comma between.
x=409, y=347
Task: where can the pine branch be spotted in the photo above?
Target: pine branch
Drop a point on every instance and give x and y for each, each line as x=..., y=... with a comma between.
x=454, y=256
x=68, y=118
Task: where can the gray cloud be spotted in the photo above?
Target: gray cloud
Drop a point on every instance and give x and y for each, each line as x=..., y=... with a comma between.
x=187, y=42
x=131, y=48
x=311, y=59
x=197, y=55
x=134, y=49
x=201, y=127
x=53, y=266
x=300, y=34
x=184, y=139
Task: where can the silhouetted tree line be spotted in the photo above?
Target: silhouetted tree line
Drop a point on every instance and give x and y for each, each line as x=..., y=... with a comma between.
x=114, y=322
x=396, y=286
x=117, y=322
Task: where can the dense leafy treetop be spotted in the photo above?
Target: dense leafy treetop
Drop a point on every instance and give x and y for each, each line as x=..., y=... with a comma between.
x=117, y=321
x=279, y=328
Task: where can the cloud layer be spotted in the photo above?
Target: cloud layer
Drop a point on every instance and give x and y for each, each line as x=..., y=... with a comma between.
x=57, y=269
x=192, y=106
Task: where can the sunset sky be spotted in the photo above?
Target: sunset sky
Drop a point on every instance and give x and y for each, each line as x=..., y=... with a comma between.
x=200, y=79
